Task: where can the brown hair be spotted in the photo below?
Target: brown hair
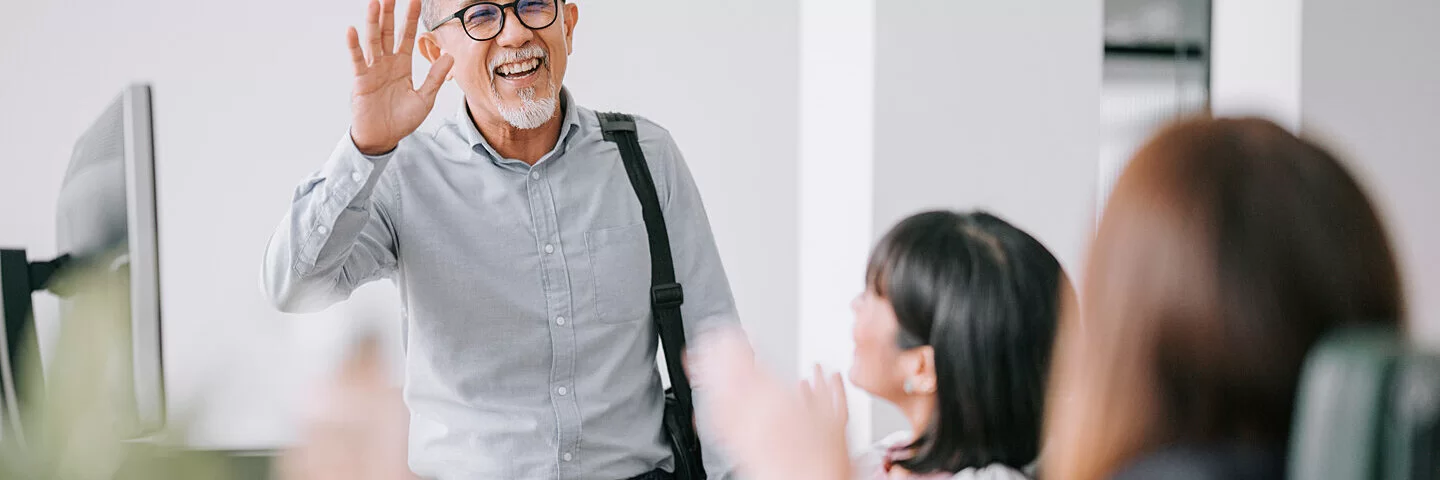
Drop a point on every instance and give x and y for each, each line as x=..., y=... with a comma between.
x=1226, y=250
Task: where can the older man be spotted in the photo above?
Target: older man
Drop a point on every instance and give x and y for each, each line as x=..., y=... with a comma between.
x=517, y=242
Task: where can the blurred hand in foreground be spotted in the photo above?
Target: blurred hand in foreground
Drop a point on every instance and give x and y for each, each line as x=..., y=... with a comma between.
x=357, y=430
x=772, y=430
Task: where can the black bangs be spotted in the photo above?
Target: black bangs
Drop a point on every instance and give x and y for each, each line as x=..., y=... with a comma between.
x=905, y=265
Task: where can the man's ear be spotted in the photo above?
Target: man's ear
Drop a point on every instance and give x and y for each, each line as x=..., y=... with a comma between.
x=429, y=46
x=572, y=15
x=430, y=49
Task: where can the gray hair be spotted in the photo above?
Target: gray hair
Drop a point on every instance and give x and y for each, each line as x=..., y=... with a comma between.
x=430, y=13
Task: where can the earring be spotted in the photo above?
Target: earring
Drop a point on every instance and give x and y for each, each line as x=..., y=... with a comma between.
x=909, y=387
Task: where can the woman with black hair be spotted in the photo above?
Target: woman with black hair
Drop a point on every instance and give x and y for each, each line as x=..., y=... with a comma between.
x=955, y=328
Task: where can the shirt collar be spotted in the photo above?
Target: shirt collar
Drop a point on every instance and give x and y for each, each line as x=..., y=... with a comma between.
x=477, y=142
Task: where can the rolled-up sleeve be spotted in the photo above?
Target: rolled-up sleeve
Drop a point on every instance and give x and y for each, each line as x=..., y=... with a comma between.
x=338, y=234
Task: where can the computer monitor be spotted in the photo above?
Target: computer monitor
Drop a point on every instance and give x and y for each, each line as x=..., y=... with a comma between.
x=106, y=217
x=106, y=234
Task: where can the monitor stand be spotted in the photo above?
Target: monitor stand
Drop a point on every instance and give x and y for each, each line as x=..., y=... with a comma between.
x=19, y=279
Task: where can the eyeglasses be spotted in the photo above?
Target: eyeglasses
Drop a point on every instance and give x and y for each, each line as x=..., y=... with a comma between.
x=485, y=20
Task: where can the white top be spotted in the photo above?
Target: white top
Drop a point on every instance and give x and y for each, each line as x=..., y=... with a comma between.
x=870, y=465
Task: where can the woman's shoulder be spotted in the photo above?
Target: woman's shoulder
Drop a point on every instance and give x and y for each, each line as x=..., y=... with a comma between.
x=868, y=463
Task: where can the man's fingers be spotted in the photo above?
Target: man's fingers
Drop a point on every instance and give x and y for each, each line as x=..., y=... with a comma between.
x=842, y=405
x=372, y=31
x=387, y=26
x=436, y=78
x=357, y=55
x=407, y=40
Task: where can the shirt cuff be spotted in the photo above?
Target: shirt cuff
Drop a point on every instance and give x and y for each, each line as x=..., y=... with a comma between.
x=351, y=175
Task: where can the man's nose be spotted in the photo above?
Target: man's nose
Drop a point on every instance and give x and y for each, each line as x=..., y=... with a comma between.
x=514, y=34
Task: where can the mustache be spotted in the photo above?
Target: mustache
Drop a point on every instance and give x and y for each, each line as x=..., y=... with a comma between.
x=512, y=55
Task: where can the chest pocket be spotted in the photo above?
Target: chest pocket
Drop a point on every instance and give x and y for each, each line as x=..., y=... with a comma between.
x=620, y=260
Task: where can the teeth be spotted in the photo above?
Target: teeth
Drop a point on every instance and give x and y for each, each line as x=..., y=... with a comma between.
x=513, y=68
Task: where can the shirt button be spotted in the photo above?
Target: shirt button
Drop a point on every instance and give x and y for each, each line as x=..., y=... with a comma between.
x=561, y=322
x=562, y=391
x=567, y=457
x=534, y=175
x=322, y=229
x=549, y=249
x=357, y=177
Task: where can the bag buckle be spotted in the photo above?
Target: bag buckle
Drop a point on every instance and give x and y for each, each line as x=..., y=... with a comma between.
x=669, y=295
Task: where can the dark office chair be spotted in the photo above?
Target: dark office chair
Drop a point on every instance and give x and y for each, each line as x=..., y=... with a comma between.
x=1367, y=409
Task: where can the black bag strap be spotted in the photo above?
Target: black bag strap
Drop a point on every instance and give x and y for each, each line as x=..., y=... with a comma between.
x=666, y=295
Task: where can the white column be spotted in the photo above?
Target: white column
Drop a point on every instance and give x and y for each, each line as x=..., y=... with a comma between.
x=837, y=124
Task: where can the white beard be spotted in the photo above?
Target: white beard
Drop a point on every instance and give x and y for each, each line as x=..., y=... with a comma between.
x=533, y=112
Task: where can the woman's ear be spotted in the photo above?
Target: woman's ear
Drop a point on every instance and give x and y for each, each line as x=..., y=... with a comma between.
x=918, y=367
x=926, y=379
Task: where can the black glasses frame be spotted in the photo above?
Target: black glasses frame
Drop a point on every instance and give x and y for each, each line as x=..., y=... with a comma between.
x=460, y=15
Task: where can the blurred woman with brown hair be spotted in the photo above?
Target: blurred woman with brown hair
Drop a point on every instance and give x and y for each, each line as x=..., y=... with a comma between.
x=1228, y=248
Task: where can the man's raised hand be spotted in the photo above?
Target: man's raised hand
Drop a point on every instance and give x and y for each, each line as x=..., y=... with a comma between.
x=385, y=105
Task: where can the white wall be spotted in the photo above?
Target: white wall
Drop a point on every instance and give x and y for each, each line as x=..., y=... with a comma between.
x=1364, y=80
x=238, y=116
x=1371, y=88
x=991, y=105
x=722, y=77
x=1255, y=67
x=251, y=96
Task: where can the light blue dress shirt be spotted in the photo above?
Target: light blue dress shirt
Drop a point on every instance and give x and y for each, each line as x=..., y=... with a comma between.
x=530, y=353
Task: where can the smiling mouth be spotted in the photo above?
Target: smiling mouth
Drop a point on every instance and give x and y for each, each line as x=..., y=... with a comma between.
x=520, y=69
